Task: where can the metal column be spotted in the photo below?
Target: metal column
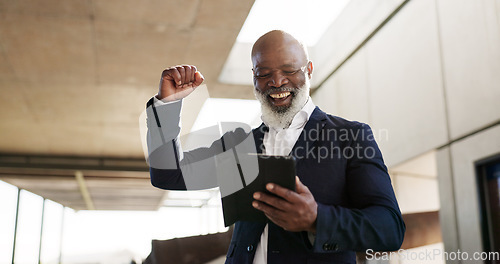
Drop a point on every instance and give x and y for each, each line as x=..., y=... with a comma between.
x=61, y=235
x=41, y=231
x=15, y=225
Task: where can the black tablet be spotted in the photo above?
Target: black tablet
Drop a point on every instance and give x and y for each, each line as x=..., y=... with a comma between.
x=279, y=170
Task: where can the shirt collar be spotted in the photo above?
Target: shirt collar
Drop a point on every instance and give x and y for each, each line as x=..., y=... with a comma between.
x=300, y=119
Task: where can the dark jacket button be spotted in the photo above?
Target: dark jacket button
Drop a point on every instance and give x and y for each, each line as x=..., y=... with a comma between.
x=326, y=247
x=250, y=248
x=335, y=247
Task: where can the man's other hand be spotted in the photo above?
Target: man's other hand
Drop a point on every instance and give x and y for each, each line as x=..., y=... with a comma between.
x=294, y=211
x=178, y=82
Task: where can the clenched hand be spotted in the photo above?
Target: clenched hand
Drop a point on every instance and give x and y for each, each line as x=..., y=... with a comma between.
x=178, y=82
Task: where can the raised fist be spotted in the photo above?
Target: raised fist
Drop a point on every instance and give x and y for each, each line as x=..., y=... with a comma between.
x=178, y=82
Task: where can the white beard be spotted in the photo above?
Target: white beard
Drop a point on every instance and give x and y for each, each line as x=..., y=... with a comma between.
x=281, y=118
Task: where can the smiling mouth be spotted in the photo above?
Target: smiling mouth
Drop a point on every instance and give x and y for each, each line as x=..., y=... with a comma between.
x=280, y=95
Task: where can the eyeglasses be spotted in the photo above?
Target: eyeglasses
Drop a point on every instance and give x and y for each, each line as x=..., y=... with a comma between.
x=266, y=73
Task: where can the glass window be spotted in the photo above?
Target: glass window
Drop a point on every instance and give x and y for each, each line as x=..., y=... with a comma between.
x=51, y=238
x=28, y=228
x=8, y=198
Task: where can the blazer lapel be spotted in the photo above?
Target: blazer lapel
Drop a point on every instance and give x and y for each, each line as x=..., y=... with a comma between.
x=258, y=136
x=310, y=134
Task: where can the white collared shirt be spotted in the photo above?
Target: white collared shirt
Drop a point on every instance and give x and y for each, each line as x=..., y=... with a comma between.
x=281, y=142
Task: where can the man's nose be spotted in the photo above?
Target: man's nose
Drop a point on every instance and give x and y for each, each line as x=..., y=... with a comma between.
x=278, y=79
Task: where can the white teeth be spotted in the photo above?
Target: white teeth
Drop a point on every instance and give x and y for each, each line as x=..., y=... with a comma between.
x=280, y=95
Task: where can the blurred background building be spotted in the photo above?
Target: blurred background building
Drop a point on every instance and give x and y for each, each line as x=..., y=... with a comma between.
x=75, y=76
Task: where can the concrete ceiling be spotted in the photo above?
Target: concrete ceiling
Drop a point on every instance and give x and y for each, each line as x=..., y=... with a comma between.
x=75, y=75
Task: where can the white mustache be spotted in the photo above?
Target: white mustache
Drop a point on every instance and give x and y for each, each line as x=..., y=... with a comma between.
x=280, y=90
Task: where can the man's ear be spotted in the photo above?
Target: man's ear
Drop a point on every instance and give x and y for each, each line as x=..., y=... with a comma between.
x=309, y=69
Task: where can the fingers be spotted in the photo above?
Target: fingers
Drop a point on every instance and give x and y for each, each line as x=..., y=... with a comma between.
x=190, y=75
x=300, y=187
x=186, y=73
x=272, y=201
x=178, y=82
x=183, y=76
x=272, y=213
x=283, y=192
x=265, y=208
x=193, y=73
x=290, y=216
x=198, y=77
x=171, y=74
x=288, y=195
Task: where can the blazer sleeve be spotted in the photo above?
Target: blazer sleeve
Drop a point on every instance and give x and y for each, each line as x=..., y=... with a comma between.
x=373, y=219
x=163, y=123
x=200, y=168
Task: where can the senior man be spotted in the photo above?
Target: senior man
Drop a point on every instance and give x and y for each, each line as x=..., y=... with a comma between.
x=343, y=202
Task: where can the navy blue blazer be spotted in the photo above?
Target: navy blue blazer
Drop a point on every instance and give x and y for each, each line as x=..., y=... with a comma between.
x=341, y=164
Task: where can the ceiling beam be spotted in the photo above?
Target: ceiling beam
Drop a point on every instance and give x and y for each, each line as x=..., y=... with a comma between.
x=72, y=162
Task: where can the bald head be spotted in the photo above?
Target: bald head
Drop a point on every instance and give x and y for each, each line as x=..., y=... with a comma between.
x=278, y=42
